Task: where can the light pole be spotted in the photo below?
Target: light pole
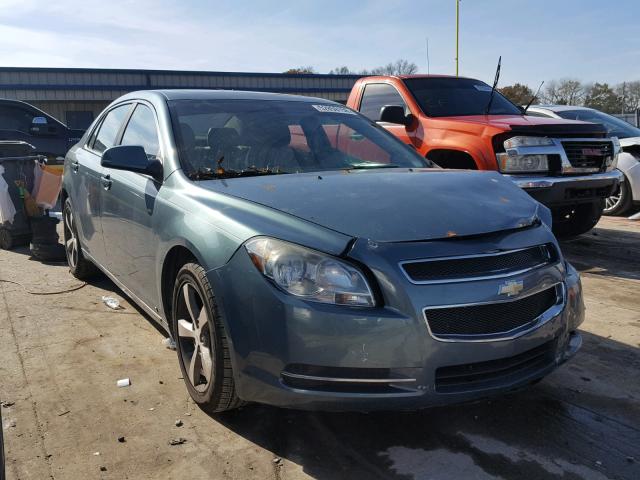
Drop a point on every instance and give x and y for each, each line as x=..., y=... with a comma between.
x=457, y=32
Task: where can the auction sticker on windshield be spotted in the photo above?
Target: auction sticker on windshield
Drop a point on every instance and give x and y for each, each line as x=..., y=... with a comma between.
x=333, y=109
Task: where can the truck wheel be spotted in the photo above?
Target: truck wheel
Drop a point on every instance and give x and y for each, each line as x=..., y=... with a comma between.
x=577, y=220
x=620, y=201
x=6, y=239
x=80, y=267
x=201, y=342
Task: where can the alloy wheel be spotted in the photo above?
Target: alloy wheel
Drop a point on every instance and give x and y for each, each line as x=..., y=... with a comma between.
x=70, y=239
x=612, y=202
x=194, y=336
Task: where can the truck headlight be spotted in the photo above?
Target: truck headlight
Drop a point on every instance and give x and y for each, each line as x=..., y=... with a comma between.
x=520, y=141
x=522, y=163
x=309, y=274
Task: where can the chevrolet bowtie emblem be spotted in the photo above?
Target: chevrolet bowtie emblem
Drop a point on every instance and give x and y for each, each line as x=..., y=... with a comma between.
x=511, y=288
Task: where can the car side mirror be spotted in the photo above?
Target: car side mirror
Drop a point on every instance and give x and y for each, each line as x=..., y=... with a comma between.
x=132, y=158
x=395, y=114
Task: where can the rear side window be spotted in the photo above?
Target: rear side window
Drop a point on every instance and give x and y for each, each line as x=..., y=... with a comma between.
x=141, y=130
x=376, y=96
x=15, y=118
x=108, y=130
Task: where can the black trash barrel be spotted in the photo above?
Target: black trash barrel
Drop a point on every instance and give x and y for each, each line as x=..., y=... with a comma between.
x=17, y=158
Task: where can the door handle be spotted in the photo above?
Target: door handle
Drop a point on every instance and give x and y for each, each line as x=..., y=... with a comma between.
x=106, y=181
x=75, y=166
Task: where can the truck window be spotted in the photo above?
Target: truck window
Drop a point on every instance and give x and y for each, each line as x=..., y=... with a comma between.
x=141, y=130
x=376, y=96
x=15, y=118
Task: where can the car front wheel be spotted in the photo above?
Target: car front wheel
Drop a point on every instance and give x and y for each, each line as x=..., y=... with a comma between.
x=201, y=342
x=80, y=267
x=620, y=201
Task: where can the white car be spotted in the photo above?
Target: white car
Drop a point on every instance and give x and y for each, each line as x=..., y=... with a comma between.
x=628, y=159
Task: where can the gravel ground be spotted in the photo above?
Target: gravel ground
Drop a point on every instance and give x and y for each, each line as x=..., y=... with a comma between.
x=61, y=356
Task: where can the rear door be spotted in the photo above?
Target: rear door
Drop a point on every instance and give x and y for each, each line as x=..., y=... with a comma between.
x=86, y=173
x=128, y=206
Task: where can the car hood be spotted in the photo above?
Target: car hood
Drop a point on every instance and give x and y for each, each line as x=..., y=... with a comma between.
x=529, y=124
x=392, y=205
x=629, y=141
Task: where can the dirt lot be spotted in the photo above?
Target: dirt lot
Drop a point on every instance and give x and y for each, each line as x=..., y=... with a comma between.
x=61, y=355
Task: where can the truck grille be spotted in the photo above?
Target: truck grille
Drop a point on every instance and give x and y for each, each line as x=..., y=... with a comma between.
x=495, y=373
x=472, y=267
x=588, y=155
x=490, y=318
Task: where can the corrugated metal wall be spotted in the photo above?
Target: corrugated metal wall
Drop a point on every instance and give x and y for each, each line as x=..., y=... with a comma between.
x=61, y=90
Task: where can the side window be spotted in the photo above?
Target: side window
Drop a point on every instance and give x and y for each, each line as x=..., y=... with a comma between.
x=108, y=130
x=141, y=130
x=376, y=96
x=14, y=118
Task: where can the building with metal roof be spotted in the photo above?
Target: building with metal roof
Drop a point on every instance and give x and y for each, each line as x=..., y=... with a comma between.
x=77, y=95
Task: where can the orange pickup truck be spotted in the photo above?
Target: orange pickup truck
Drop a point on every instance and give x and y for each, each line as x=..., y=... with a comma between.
x=569, y=166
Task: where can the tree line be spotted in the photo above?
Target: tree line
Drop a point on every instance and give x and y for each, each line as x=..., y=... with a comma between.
x=399, y=67
x=624, y=97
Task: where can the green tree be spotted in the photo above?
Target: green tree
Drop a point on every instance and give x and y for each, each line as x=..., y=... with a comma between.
x=602, y=97
x=518, y=93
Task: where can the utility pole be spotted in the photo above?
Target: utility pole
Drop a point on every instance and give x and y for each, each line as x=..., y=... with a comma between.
x=624, y=86
x=457, y=32
x=428, y=67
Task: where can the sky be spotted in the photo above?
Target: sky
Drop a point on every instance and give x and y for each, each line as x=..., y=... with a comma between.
x=591, y=40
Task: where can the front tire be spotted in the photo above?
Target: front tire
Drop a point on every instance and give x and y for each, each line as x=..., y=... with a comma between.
x=79, y=266
x=620, y=202
x=576, y=220
x=201, y=342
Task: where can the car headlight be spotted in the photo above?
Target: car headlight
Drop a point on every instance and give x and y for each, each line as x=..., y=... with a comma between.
x=522, y=163
x=515, y=142
x=309, y=274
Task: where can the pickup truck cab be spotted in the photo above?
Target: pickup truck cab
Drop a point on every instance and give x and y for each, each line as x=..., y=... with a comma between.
x=21, y=121
x=459, y=123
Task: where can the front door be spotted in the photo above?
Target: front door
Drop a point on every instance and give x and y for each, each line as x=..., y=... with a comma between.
x=128, y=207
x=86, y=173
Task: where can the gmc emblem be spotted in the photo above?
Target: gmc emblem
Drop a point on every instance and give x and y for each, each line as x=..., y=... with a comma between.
x=593, y=152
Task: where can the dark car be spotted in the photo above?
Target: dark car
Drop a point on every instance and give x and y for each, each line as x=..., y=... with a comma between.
x=301, y=256
x=24, y=122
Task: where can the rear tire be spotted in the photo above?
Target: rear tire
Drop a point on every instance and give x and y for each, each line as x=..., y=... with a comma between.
x=201, y=342
x=577, y=220
x=620, y=202
x=80, y=267
x=6, y=239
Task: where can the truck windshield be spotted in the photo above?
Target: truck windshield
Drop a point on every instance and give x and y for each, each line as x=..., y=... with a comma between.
x=231, y=138
x=615, y=126
x=449, y=97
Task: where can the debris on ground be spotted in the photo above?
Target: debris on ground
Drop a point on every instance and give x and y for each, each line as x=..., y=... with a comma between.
x=277, y=460
x=103, y=469
x=112, y=303
x=96, y=454
x=179, y=423
x=123, y=382
x=151, y=409
x=169, y=343
x=122, y=439
x=12, y=423
x=7, y=404
x=64, y=413
x=177, y=441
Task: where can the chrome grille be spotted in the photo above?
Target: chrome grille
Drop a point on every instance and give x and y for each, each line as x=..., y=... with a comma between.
x=473, y=267
x=493, y=320
x=588, y=154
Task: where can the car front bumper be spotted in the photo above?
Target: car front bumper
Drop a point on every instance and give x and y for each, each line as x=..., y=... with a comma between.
x=569, y=190
x=291, y=353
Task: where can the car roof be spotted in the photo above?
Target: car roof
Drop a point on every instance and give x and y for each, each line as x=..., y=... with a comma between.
x=202, y=94
x=559, y=108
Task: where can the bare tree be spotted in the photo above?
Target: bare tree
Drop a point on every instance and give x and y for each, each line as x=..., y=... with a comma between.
x=399, y=67
x=344, y=70
x=566, y=91
x=629, y=93
x=307, y=69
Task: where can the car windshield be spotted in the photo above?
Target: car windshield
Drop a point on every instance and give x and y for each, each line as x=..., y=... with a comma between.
x=226, y=138
x=448, y=97
x=615, y=126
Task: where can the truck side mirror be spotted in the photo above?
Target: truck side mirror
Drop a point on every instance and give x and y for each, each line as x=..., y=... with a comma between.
x=395, y=114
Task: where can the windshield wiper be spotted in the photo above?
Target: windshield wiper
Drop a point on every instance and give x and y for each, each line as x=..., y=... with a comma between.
x=493, y=88
x=209, y=174
x=365, y=166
